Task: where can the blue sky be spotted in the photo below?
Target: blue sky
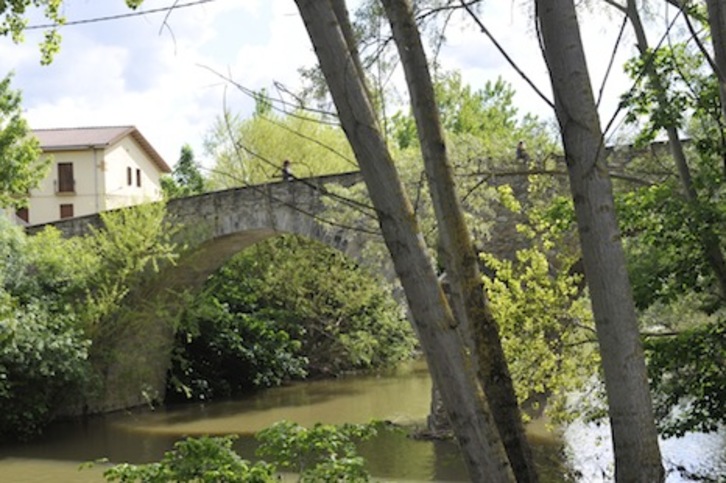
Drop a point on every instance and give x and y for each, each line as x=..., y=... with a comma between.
x=133, y=71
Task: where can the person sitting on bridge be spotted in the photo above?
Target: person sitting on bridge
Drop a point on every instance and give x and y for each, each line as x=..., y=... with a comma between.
x=522, y=154
x=286, y=171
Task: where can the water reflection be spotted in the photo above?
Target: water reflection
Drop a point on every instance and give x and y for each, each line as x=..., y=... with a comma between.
x=401, y=396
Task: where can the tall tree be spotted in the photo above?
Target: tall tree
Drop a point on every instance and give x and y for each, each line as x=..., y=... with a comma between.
x=186, y=180
x=459, y=257
x=635, y=439
x=445, y=351
x=20, y=166
x=717, y=22
x=668, y=120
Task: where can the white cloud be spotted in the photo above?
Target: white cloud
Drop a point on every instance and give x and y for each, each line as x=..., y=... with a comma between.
x=128, y=72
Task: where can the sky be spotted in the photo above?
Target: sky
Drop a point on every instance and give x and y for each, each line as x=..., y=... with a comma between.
x=164, y=78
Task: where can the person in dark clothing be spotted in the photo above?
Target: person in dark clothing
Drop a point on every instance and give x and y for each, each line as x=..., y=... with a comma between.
x=522, y=154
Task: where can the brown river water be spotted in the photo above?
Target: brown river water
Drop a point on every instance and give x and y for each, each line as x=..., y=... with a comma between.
x=401, y=397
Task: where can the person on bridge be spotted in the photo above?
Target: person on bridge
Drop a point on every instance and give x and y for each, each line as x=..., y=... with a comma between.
x=522, y=154
x=287, y=171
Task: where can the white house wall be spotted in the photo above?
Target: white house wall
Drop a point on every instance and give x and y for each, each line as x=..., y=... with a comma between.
x=101, y=182
x=45, y=201
x=119, y=158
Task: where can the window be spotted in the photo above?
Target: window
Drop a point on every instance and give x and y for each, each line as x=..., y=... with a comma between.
x=23, y=214
x=138, y=178
x=129, y=176
x=66, y=183
x=66, y=211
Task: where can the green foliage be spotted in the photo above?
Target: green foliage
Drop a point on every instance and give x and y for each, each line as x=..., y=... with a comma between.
x=280, y=310
x=545, y=320
x=186, y=180
x=322, y=453
x=132, y=246
x=42, y=365
x=43, y=354
x=204, y=459
x=20, y=166
x=56, y=300
x=688, y=375
x=13, y=23
x=665, y=258
x=663, y=108
x=464, y=111
x=220, y=351
x=252, y=151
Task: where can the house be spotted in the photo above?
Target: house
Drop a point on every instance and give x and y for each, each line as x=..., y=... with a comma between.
x=94, y=169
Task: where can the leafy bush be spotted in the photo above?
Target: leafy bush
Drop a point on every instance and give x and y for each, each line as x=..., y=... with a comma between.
x=42, y=353
x=281, y=310
x=205, y=459
x=322, y=453
x=55, y=295
x=688, y=375
x=42, y=365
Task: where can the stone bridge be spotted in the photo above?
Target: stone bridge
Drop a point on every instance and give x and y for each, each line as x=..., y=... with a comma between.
x=221, y=223
x=216, y=226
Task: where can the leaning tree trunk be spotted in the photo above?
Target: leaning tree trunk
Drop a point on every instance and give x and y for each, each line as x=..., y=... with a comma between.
x=708, y=239
x=459, y=256
x=717, y=22
x=451, y=368
x=635, y=439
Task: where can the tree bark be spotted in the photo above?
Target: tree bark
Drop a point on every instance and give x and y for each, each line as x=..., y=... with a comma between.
x=459, y=256
x=717, y=22
x=450, y=366
x=635, y=439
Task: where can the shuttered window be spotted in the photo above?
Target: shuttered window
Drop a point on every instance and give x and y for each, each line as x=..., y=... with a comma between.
x=66, y=183
x=66, y=211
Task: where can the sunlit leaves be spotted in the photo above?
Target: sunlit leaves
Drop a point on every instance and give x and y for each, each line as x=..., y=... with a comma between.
x=203, y=459
x=20, y=166
x=13, y=22
x=545, y=324
x=134, y=243
x=324, y=452
x=252, y=151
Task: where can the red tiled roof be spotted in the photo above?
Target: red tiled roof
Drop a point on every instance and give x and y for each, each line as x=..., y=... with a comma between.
x=77, y=138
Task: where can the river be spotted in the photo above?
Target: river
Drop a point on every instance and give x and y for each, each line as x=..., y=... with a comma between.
x=401, y=396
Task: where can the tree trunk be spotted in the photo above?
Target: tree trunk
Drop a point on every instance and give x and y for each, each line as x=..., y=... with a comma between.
x=717, y=22
x=450, y=366
x=635, y=439
x=709, y=240
x=459, y=256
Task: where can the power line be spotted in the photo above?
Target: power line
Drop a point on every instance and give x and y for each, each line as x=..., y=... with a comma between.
x=118, y=16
